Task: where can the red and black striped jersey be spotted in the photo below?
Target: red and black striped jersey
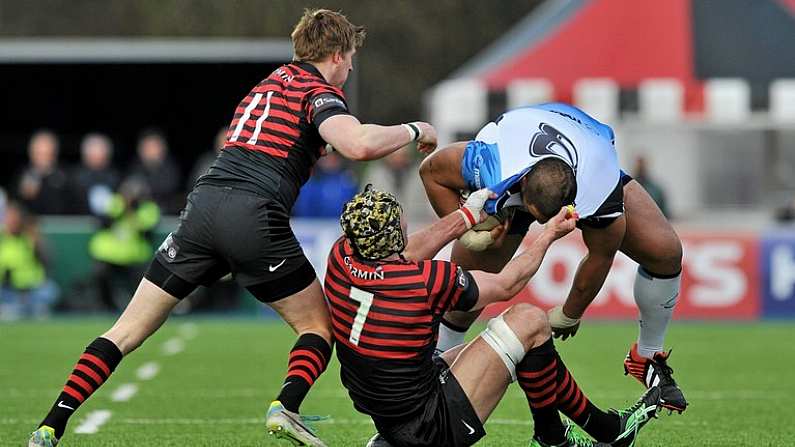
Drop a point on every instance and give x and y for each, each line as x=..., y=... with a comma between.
x=385, y=316
x=273, y=140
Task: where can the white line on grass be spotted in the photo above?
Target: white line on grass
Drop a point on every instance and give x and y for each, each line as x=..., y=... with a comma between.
x=173, y=346
x=673, y=420
x=147, y=371
x=124, y=392
x=188, y=330
x=337, y=421
x=93, y=421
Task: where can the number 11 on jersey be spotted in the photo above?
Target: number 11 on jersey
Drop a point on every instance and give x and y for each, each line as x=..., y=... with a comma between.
x=365, y=299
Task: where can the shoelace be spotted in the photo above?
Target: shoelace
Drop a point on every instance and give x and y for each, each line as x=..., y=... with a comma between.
x=662, y=364
x=575, y=438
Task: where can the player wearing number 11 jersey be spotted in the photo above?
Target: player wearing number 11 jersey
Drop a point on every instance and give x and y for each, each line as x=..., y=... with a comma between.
x=237, y=220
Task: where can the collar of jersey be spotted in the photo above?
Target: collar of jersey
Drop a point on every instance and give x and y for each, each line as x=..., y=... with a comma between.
x=306, y=66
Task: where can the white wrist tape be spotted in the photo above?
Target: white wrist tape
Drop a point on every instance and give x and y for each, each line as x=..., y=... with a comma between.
x=559, y=319
x=505, y=343
x=469, y=218
x=414, y=131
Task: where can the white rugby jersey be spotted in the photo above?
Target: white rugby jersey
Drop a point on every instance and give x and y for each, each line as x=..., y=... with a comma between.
x=520, y=138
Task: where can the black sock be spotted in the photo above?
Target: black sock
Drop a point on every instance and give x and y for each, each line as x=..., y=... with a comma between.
x=537, y=376
x=308, y=359
x=92, y=370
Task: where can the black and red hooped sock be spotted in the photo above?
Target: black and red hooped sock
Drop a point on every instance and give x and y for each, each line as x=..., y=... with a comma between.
x=92, y=370
x=549, y=387
x=537, y=376
x=308, y=359
x=572, y=401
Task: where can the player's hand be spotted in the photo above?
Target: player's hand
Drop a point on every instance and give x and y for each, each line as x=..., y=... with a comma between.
x=563, y=326
x=563, y=222
x=499, y=233
x=472, y=209
x=426, y=143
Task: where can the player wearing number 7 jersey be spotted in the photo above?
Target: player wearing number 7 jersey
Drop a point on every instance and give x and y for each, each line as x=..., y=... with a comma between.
x=387, y=299
x=237, y=220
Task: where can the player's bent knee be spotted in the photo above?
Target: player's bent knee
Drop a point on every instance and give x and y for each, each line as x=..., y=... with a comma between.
x=665, y=259
x=504, y=341
x=530, y=323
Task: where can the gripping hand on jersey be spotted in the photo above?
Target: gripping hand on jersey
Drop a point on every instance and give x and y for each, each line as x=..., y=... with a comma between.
x=484, y=231
x=472, y=209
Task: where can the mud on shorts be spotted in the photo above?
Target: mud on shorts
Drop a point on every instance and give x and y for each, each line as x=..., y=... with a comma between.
x=223, y=230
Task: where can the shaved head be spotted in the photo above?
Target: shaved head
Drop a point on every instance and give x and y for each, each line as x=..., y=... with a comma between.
x=549, y=186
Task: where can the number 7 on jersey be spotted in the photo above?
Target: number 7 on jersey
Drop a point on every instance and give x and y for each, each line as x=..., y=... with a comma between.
x=365, y=299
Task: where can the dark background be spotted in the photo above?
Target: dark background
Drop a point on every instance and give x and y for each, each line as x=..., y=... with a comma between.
x=410, y=46
x=189, y=102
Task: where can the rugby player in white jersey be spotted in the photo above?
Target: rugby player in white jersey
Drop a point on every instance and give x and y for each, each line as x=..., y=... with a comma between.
x=537, y=159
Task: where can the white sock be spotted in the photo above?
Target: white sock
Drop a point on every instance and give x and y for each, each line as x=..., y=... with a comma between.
x=448, y=337
x=656, y=299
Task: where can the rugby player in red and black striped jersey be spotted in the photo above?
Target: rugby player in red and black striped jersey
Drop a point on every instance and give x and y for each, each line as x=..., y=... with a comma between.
x=237, y=220
x=387, y=300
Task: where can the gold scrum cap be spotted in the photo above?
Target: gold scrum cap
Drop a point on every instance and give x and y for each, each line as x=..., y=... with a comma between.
x=371, y=221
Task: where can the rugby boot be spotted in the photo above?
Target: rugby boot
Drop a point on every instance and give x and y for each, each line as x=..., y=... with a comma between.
x=635, y=417
x=378, y=441
x=655, y=371
x=44, y=436
x=574, y=438
x=285, y=424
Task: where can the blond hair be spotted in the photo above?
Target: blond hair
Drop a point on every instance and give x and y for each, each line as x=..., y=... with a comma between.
x=321, y=32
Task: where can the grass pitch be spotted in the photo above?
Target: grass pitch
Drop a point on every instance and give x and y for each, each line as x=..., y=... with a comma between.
x=209, y=382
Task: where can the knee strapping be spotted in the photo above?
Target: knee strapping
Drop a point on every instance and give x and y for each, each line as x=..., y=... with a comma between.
x=505, y=343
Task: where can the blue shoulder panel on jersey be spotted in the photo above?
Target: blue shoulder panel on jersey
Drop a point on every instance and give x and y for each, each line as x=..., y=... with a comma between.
x=480, y=166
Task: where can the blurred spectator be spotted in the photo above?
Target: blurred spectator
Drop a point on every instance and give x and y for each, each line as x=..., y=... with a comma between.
x=399, y=174
x=25, y=289
x=331, y=185
x=123, y=246
x=158, y=171
x=3, y=201
x=95, y=179
x=207, y=159
x=641, y=175
x=43, y=185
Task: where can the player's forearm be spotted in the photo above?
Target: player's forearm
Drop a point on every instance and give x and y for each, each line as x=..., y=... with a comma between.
x=517, y=273
x=426, y=243
x=374, y=141
x=588, y=280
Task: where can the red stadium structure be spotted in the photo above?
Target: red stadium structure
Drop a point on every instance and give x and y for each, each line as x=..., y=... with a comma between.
x=628, y=41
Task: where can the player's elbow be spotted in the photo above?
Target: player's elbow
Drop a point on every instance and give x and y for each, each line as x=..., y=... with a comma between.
x=426, y=168
x=354, y=151
x=362, y=149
